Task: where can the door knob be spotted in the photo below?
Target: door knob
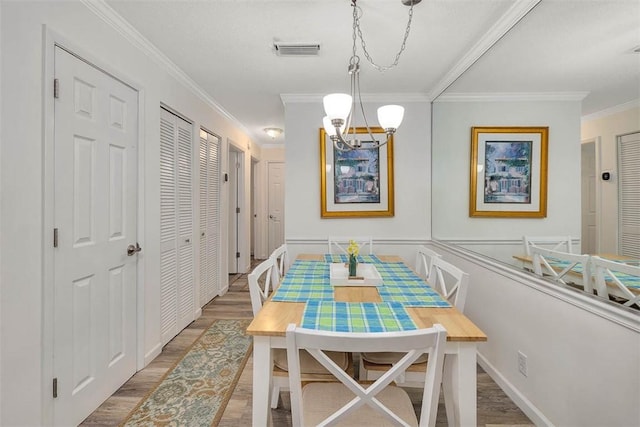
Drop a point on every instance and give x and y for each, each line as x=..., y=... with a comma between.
x=133, y=249
x=272, y=217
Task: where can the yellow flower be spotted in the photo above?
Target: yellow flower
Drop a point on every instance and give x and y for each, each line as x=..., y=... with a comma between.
x=353, y=248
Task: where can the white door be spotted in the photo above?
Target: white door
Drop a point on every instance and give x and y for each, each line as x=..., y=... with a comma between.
x=276, y=205
x=177, y=275
x=588, y=237
x=234, y=210
x=96, y=128
x=209, y=156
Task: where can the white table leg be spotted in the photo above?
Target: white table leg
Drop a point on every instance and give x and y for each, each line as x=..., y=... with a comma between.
x=262, y=368
x=460, y=385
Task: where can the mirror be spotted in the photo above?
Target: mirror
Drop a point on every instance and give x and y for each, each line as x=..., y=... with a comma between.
x=468, y=102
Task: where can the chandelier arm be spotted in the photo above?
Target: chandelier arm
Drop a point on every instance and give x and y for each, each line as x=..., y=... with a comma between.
x=356, y=28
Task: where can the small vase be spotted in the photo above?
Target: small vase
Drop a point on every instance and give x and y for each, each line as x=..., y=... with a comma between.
x=353, y=265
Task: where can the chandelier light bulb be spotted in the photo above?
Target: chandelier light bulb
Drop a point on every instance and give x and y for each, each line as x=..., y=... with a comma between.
x=337, y=105
x=390, y=116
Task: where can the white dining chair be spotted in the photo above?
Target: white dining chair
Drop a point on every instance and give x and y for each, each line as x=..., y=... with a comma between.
x=453, y=284
x=281, y=265
x=351, y=403
x=338, y=245
x=450, y=281
x=604, y=273
x=260, y=288
x=555, y=243
x=424, y=259
x=567, y=268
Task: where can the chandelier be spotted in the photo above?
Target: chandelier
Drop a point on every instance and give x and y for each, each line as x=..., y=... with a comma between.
x=340, y=108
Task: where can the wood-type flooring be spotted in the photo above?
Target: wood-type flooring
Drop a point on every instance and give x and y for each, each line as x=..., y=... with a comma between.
x=495, y=409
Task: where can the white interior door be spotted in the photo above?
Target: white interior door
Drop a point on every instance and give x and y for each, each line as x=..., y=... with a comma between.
x=177, y=266
x=209, y=217
x=588, y=173
x=95, y=183
x=276, y=205
x=234, y=215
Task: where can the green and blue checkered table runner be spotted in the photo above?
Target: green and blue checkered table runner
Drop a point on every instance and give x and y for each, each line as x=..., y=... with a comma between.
x=308, y=281
x=356, y=317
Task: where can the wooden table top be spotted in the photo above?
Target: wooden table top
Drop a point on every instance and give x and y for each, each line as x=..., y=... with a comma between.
x=273, y=318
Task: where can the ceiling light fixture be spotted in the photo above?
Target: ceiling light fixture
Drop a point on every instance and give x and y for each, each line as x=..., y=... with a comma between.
x=273, y=132
x=340, y=108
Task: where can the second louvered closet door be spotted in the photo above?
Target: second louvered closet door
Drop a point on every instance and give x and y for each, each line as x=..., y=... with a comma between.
x=177, y=298
x=209, y=217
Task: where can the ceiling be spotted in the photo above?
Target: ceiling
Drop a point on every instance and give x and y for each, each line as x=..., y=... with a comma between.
x=574, y=47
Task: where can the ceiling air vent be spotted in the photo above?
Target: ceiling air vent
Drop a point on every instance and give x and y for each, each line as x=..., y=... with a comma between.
x=296, y=49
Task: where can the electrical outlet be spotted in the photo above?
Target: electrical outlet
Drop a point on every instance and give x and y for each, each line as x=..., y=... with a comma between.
x=522, y=363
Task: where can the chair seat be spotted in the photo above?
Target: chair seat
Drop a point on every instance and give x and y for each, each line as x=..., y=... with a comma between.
x=322, y=399
x=309, y=365
x=388, y=358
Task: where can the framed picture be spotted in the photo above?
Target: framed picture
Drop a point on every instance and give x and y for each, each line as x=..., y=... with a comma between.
x=508, y=172
x=356, y=183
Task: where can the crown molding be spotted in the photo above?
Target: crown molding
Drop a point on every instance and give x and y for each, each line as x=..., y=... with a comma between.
x=613, y=110
x=507, y=21
x=512, y=96
x=105, y=12
x=292, y=98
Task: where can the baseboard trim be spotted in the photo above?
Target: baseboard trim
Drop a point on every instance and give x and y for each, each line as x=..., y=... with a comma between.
x=152, y=354
x=529, y=409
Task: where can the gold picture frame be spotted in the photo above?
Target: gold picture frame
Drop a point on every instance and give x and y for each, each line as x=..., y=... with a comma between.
x=508, y=172
x=356, y=183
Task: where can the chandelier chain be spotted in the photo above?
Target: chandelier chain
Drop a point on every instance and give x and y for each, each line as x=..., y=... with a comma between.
x=357, y=12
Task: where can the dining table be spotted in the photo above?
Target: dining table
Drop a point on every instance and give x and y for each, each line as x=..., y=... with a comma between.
x=401, y=300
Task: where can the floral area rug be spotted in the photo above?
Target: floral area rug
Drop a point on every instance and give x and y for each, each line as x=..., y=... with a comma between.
x=196, y=391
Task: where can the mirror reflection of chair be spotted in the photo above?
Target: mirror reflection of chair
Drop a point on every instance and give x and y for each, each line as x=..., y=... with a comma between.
x=260, y=288
x=281, y=264
x=338, y=245
x=424, y=259
x=350, y=403
x=613, y=274
x=555, y=243
x=562, y=267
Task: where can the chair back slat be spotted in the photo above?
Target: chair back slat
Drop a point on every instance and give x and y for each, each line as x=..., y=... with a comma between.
x=450, y=281
x=424, y=260
x=260, y=284
x=605, y=276
x=280, y=265
x=555, y=243
x=560, y=265
x=338, y=245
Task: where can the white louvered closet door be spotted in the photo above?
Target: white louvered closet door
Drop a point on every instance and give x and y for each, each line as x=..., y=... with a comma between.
x=629, y=194
x=177, y=299
x=209, y=217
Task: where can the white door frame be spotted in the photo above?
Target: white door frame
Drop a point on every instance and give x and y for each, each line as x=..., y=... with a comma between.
x=52, y=39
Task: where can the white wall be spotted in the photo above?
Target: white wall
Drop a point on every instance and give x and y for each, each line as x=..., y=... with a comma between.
x=305, y=231
x=607, y=127
x=25, y=350
x=582, y=356
x=500, y=237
